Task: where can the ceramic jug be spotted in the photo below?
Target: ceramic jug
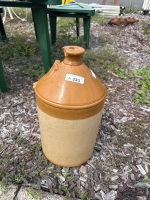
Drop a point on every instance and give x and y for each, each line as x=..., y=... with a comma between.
x=70, y=100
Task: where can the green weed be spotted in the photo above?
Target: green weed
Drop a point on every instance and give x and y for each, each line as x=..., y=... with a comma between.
x=84, y=195
x=3, y=188
x=146, y=32
x=102, y=20
x=16, y=46
x=142, y=83
x=17, y=168
x=21, y=55
x=131, y=9
x=64, y=30
x=32, y=193
x=104, y=61
x=120, y=72
x=147, y=179
x=33, y=70
x=66, y=34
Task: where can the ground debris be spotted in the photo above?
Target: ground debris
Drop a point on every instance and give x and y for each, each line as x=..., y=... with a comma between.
x=119, y=168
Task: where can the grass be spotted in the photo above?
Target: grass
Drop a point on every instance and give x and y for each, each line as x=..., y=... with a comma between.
x=18, y=164
x=32, y=193
x=147, y=179
x=142, y=83
x=104, y=61
x=146, y=28
x=16, y=169
x=146, y=32
x=18, y=45
x=3, y=188
x=131, y=9
x=23, y=54
x=130, y=133
x=102, y=20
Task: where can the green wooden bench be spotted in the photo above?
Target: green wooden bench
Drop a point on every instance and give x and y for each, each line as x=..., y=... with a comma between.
x=72, y=9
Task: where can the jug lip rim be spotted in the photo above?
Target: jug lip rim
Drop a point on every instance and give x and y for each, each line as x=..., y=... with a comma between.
x=73, y=50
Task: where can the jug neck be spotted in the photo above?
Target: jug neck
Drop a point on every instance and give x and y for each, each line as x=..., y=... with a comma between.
x=73, y=55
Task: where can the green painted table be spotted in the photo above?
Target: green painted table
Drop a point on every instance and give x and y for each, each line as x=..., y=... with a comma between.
x=75, y=10
x=39, y=13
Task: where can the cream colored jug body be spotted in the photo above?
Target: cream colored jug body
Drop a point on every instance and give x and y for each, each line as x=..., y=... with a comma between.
x=70, y=100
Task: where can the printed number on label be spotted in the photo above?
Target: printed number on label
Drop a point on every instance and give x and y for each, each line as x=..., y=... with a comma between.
x=74, y=78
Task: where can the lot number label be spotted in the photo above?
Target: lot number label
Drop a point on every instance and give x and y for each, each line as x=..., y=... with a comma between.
x=74, y=78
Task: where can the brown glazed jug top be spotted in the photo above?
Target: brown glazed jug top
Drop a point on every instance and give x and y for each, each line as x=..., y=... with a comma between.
x=70, y=84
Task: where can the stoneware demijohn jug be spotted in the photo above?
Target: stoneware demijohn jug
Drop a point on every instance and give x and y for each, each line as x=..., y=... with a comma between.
x=70, y=101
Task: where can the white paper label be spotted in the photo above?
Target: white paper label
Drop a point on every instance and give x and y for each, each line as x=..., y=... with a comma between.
x=74, y=78
x=93, y=74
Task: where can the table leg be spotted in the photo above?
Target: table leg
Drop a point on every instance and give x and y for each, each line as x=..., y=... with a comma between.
x=2, y=30
x=42, y=33
x=86, y=23
x=3, y=84
x=78, y=26
x=53, y=24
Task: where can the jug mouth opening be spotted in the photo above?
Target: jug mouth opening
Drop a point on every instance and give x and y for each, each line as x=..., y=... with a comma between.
x=73, y=50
